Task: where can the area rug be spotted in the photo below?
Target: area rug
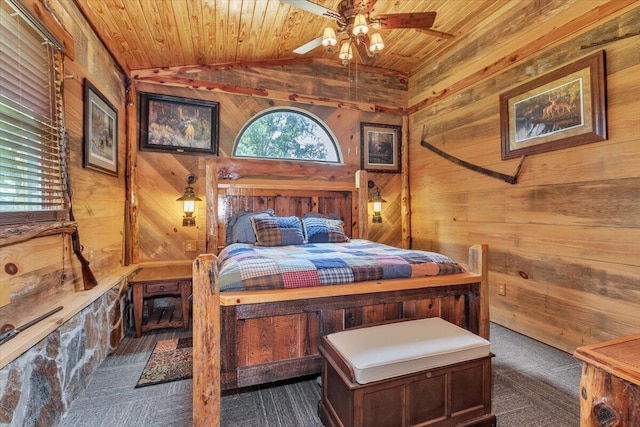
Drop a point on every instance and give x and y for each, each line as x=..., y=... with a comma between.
x=170, y=360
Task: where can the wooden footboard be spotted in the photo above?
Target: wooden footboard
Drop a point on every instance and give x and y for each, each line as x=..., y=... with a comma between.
x=245, y=338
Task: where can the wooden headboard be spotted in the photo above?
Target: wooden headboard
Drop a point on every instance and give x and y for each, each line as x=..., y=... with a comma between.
x=287, y=197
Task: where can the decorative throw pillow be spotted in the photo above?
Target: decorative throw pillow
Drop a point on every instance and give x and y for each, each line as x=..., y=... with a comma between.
x=240, y=229
x=277, y=231
x=322, y=230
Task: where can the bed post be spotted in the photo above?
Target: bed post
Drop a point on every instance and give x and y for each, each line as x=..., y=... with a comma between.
x=479, y=263
x=206, y=342
x=360, y=206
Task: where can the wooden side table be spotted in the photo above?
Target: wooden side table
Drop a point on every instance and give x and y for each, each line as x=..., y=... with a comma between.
x=161, y=281
x=610, y=383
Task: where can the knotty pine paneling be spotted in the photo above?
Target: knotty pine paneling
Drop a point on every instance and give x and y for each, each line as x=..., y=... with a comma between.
x=48, y=271
x=566, y=238
x=161, y=176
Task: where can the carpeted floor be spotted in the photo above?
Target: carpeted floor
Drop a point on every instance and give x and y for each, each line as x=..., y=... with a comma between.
x=534, y=385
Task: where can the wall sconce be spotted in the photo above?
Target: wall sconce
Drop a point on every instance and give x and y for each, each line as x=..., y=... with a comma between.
x=377, y=201
x=189, y=200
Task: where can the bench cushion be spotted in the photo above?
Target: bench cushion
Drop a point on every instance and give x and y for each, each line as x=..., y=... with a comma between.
x=391, y=350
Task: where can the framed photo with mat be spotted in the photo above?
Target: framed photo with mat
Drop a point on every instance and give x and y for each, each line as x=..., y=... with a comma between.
x=380, y=147
x=100, y=131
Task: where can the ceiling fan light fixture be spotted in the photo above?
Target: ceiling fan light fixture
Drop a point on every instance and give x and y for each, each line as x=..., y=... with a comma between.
x=329, y=38
x=345, y=52
x=376, y=43
x=360, y=27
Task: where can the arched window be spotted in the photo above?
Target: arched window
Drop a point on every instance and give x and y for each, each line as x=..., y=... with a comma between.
x=287, y=133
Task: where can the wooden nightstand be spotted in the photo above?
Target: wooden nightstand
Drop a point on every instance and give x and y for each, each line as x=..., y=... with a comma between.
x=161, y=281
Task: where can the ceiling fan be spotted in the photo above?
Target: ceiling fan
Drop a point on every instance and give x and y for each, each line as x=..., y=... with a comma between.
x=354, y=22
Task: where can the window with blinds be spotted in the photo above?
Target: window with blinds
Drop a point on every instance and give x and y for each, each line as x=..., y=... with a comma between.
x=31, y=175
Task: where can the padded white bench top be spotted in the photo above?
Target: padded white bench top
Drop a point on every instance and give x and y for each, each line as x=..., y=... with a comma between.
x=391, y=350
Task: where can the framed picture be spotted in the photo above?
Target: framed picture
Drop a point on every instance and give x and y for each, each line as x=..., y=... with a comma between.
x=178, y=125
x=380, y=147
x=561, y=109
x=100, y=131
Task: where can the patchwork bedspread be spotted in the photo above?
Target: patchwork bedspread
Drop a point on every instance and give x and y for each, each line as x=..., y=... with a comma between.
x=247, y=267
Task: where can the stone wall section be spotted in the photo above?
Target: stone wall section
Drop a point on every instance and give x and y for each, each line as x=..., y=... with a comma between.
x=38, y=387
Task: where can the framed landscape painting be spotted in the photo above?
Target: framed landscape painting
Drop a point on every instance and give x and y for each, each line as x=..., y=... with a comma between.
x=178, y=125
x=380, y=147
x=561, y=109
x=100, y=132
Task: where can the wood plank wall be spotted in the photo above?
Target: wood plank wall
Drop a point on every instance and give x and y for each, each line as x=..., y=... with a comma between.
x=566, y=238
x=161, y=176
x=48, y=271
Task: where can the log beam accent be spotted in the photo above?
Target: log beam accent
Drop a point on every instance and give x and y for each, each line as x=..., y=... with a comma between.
x=206, y=342
x=13, y=235
x=549, y=38
x=190, y=69
x=198, y=68
x=176, y=81
x=405, y=195
x=230, y=168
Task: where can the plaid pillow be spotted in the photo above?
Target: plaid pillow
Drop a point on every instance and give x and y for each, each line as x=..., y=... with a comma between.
x=322, y=230
x=239, y=228
x=277, y=231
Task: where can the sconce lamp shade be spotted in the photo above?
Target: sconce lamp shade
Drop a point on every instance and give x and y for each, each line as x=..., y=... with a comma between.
x=189, y=200
x=377, y=201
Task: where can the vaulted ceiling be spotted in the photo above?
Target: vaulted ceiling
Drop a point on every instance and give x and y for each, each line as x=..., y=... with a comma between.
x=150, y=34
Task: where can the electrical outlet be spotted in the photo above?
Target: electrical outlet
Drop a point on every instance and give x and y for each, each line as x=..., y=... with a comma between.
x=191, y=245
x=502, y=289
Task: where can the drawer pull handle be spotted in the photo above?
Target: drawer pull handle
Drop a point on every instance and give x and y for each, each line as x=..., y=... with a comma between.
x=162, y=288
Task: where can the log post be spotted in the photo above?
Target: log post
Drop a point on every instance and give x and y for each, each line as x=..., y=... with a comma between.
x=361, y=206
x=206, y=342
x=479, y=263
x=405, y=196
x=212, y=207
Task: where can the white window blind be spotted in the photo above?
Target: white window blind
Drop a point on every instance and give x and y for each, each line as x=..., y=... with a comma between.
x=31, y=178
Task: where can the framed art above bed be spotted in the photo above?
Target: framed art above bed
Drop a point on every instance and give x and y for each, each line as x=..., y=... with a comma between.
x=178, y=125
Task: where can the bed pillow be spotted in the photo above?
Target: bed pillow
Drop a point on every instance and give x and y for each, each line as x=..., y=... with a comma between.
x=240, y=229
x=277, y=231
x=323, y=230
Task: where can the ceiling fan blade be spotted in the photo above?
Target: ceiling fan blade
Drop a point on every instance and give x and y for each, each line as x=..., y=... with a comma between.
x=436, y=33
x=314, y=8
x=309, y=46
x=406, y=20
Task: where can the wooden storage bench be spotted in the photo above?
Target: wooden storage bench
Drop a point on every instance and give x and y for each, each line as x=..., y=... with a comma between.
x=413, y=373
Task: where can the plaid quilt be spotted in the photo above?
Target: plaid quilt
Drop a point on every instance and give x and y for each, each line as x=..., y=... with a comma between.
x=247, y=267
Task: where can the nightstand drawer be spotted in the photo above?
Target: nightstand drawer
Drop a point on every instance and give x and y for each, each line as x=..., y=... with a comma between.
x=161, y=288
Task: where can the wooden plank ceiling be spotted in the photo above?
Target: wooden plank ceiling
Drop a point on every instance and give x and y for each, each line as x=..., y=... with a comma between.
x=151, y=34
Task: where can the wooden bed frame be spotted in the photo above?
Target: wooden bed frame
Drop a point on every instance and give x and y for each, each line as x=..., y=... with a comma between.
x=246, y=338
